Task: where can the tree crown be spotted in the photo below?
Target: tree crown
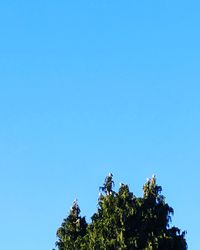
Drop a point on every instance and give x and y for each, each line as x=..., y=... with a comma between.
x=123, y=221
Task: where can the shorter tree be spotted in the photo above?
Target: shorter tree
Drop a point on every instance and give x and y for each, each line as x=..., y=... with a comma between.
x=72, y=230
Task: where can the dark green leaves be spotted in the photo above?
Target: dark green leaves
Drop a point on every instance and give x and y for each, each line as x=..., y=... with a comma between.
x=123, y=221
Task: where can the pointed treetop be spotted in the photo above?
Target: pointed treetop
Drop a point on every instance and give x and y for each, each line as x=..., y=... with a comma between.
x=75, y=210
x=108, y=184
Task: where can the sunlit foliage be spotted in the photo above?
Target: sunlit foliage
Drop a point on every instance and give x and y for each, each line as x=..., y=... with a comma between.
x=123, y=221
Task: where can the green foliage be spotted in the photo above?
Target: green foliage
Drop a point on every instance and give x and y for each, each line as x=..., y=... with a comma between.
x=72, y=230
x=123, y=221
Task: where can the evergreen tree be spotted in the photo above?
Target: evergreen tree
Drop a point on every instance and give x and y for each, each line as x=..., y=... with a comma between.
x=72, y=231
x=124, y=222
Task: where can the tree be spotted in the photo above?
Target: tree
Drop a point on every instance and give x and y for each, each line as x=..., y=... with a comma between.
x=123, y=221
x=72, y=230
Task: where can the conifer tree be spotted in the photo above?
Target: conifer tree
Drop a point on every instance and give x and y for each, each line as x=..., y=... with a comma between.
x=73, y=229
x=123, y=222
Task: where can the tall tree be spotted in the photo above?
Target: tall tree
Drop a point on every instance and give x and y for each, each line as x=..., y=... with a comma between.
x=123, y=221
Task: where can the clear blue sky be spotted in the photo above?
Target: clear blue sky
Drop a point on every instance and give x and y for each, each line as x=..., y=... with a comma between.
x=91, y=87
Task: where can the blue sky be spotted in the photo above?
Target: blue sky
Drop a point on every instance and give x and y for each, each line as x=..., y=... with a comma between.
x=91, y=87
